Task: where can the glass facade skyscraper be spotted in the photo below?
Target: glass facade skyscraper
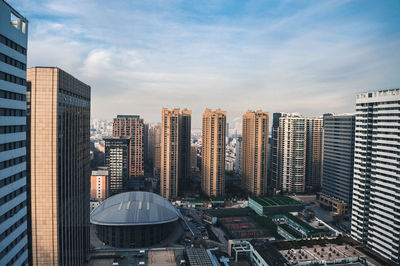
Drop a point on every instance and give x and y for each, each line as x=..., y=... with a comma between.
x=13, y=185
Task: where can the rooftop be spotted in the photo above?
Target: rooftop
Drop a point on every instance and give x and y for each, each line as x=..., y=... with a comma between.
x=276, y=201
x=134, y=208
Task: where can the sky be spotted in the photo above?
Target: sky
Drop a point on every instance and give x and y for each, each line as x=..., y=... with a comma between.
x=305, y=56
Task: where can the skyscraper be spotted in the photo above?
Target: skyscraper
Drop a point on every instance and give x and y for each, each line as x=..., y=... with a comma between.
x=376, y=188
x=255, y=152
x=132, y=126
x=337, y=173
x=185, y=150
x=13, y=181
x=59, y=124
x=117, y=162
x=154, y=140
x=314, y=143
x=175, y=151
x=213, y=153
x=289, y=152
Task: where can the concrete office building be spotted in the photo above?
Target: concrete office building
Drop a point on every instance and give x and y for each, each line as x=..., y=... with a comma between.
x=255, y=152
x=99, y=184
x=132, y=126
x=117, y=162
x=376, y=186
x=314, y=154
x=13, y=185
x=175, y=151
x=59, y=115
x=213, y=153
x=289, y=133
x=337, y=170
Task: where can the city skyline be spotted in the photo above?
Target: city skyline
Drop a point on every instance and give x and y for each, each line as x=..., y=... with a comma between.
x=314, y=55
x=279, y=172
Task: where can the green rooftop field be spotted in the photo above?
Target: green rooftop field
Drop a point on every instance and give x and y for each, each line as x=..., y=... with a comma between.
x=276, y=201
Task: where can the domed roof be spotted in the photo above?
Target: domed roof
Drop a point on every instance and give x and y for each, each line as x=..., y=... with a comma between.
x=134, y=208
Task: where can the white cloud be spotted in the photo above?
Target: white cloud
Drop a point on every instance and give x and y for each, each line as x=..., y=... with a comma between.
x=139, y=56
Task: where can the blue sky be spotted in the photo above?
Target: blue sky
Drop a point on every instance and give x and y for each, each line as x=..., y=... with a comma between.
x=138, y=56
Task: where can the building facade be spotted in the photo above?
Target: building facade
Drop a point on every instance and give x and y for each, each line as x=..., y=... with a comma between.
x=99, y=184
x=289, y=152
x=338, y=166
x=193, y=158
x=213, y=153
x=13, y=137
x=117, y=161
x=132, y=126
x=376, y=187
x=154, y=140
x=59, y=116
x=314, y=154
x=238, y=156
x=175, y=151
x=255, y=152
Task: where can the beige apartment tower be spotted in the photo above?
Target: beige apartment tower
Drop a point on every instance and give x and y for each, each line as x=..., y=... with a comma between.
x=132, y=126
x=58, y=123
x=213, y=153
x=314, y=156
x=255, y=152
x=175, y=151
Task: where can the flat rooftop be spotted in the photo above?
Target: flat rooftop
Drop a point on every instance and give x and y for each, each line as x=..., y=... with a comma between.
x=276, y=201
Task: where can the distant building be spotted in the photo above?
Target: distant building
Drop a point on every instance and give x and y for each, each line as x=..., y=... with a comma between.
x=175, y=151
x=193, y=158
x=99, y=184
x=132, y=126
x=146, y=143
x=157, y=162
x=338, y=166
x=59, y=124
x=117, y=162
x=376, y=188
x=255, y=152
x=213, y=153
x=13, y=137
x=289, y=152
x=314, y=144
x=238, y=158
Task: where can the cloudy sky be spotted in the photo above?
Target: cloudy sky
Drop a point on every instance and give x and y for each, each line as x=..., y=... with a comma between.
x=138, y=56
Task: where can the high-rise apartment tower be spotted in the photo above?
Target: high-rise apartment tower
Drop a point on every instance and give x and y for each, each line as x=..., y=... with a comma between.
x=314, y=154
x=289, y=152
x=132, y=126
x=175, y=151
x=255, y=152
x=213, y=153
x=376, y=185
